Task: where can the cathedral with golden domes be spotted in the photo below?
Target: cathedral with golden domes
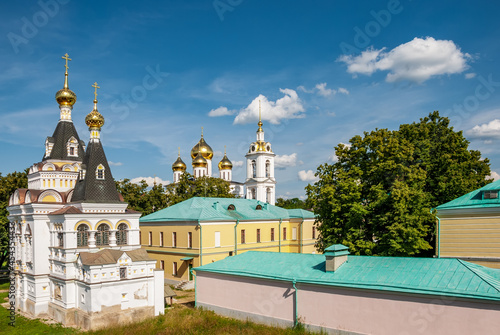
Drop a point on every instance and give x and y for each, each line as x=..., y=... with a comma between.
x=77, y=251
x=260, y=183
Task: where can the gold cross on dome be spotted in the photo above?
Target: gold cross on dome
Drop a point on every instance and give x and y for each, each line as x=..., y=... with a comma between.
x=66, y=57
x=201, y=131
x=95, y=91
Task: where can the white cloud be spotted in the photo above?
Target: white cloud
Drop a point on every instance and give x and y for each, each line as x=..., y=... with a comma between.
x=416, y=61
x=494, y=175
x=299, y=144
x=115, y=163
x=327, y=92
x=333, y=158
x=238, y=164
x=307, y=175
x=305, y=90
x=284, y=161
x=221, y=111
x=288, y=107
x=150, y=180
x=470, y=75
x=486, y=130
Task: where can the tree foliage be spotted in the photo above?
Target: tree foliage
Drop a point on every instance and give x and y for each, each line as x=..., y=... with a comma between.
x=145, y=200
x=294, y=203
x=377, y=198
x=8, y=184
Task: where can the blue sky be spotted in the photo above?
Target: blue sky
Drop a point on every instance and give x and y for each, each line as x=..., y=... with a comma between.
x=324, y=71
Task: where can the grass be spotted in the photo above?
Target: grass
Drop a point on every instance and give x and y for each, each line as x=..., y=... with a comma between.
x=177, y=320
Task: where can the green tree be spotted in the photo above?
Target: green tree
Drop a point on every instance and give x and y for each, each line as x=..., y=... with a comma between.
x=189, y=187
x=377, y=198
x=8, y=184
x=292, y=203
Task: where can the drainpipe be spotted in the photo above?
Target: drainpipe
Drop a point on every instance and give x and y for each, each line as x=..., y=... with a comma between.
x=296, y=320
x=201, y=244
x=301, y=237
x=236, y=237
x=279, y=235
x=195, y=290
x=439, y=237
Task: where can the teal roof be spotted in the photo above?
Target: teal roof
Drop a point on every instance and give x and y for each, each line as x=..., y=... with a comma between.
x=474, y=199
x=434, y=276
x=216, y=209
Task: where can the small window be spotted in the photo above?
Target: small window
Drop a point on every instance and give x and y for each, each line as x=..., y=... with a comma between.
x=284, y=233
x=150, y=242
x=174, y=239
x=123, y=273
x=161, y=239
x=60, y=239
x=231, y=207
x=121, y=234
x=258, y=235
x=272, y=234
x=102, y=235
x=100, y=172
x=314, y=232
x=82, y=235
x=217, y=239
x=230, y=253
x=71, y=151
x=190, y=240
x=490, y=194
x=243, y=236
x=294, y=233
x=174, y=268
x=258, y=207
x=162, y=265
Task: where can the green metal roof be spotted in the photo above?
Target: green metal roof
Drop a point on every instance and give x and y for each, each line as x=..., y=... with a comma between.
x=216, y=209
x=474, y=199
x=434, y=276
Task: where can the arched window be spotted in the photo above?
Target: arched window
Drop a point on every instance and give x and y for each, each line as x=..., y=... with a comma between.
x=82, y=235
x=121, y=234
x=268, y=169
x=72, y=146
x=102, y=235
x=268, y=195
x=254, y=193
x=29, y=244
x=254, y=170
x=99, y=173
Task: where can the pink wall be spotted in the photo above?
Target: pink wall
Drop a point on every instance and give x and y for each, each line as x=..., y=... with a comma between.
x=361, y=311
x=394, y=313
x=250, y=295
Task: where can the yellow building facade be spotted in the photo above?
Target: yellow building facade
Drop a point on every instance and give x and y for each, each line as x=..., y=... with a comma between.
x=469, y=227
x=204, y=230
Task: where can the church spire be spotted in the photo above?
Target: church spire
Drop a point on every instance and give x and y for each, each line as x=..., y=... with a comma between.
x=94, y=119
x=65, y=97
x=260, y=121
x=96, y=183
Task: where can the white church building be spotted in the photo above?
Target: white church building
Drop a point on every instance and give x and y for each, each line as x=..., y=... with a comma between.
x=260, y=183
x=77, y=254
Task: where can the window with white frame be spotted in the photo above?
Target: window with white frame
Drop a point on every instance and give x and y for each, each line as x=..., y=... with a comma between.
x=99, y=172
x=217, y=239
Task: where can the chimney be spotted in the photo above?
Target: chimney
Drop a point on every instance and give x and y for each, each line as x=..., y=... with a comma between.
x=335, y=256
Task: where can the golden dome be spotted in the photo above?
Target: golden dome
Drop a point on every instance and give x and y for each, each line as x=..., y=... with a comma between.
x=66, y=97
x=199, y=161
x=179, y=165
x=94, y=119
x=203, y=148
x=225, y=164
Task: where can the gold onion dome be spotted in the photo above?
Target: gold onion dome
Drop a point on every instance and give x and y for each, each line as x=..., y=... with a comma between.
x=199, y=161
x=203, y=148
x=94, y=119
x=225, y=164
x=179, y=165
x=65, y=96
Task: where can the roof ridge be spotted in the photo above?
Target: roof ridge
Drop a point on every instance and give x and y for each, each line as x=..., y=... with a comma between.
x=484, y=276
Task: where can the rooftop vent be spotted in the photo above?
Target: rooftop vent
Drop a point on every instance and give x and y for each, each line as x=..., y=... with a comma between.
x=335, y=256
x=258, y=207
x=231, y=207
